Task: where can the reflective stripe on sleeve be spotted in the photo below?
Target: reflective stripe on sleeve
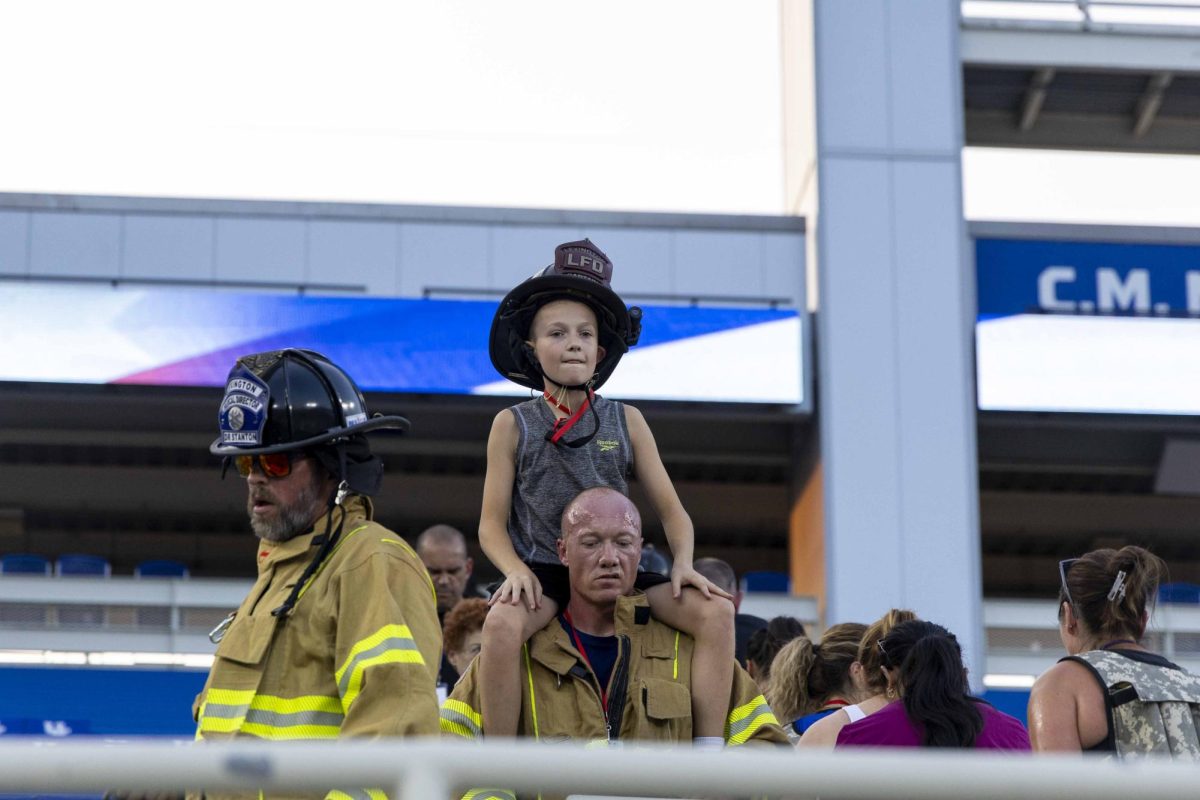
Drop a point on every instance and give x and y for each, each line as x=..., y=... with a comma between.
x=745, y=721
x=460, y=719
x=268, y=717
x=391, y=644
x=357, y=794
x=489, y=794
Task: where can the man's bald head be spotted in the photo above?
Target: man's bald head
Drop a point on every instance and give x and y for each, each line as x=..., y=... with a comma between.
x=598, y=501
x=600, y=547
x=443, y=550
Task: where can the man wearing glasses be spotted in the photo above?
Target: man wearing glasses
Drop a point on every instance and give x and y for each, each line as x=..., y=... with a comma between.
x=339, y=636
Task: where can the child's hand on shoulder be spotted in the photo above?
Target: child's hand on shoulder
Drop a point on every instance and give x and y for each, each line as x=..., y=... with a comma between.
x=521, y=581
x=685, y=575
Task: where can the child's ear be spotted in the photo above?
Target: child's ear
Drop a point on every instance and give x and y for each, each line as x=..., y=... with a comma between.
x=600, y=353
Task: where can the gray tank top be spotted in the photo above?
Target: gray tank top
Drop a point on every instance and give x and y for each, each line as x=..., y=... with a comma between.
x=549, y=476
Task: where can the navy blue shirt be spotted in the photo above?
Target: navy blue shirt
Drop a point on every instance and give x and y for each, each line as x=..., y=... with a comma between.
x=601, y=651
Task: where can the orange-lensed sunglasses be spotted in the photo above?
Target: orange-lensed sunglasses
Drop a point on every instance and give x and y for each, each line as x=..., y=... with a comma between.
x=273, y=465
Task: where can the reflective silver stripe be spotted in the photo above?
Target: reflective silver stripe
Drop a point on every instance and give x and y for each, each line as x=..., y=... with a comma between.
x=215, y=711
x=745, y=722
x=350, y=669
x=462, y=719
x=278, y=720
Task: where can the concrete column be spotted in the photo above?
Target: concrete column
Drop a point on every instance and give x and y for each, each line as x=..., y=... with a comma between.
x=895, y=317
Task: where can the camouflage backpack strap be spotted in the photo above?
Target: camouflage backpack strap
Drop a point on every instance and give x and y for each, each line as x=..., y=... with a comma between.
x=1151, y=709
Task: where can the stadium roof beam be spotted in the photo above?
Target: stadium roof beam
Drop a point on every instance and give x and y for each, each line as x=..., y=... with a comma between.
x=1035, y=97
x=1150, y=103
x=1081, y=86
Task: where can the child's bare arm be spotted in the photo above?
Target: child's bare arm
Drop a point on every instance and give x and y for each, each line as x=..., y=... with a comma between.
x=677, y=524
x=493, y=519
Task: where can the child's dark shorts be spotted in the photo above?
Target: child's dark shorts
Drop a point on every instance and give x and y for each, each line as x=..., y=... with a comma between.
x=556, y=583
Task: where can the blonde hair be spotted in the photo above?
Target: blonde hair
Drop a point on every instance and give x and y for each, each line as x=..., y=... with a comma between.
x=868, y=651
x=804, y=676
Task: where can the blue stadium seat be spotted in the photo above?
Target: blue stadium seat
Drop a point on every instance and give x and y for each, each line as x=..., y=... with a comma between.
x=79, y=564
x=766, y=581
x=1179, y=593
x=24, y=564
x=161, y=568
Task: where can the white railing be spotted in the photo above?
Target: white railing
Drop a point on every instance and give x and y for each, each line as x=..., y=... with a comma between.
x=421, y=770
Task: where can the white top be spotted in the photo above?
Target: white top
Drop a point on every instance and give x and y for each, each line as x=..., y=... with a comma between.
x=854, y=712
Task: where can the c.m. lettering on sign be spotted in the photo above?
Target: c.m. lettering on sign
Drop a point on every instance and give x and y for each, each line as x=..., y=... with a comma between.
x=1113, y=294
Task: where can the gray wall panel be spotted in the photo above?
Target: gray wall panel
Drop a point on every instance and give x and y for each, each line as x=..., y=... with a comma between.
x=783, y=265
x=853, y=80
x=357, y=253
x=168, y=247
x=520, y=251
x=926, y=112
x=393, y=250
x=14, y=243
x=443, y=255
x=261, y=250
x=718, y=263
x=75, y=245
x=643, y=260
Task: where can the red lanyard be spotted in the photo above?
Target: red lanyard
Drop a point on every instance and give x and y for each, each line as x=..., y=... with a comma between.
x=583, y=652
x=561, y=426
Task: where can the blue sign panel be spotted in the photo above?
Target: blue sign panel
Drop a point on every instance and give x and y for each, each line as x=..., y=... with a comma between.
x=1087, y=326
x=1024, y=277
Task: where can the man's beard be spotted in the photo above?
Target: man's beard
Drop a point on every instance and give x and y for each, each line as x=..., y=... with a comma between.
x=291, y=520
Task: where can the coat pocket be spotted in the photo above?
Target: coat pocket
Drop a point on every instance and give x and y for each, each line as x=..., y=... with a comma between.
x=247, y=640
x=666, y=711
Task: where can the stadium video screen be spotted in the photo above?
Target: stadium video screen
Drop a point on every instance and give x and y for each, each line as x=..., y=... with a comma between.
x=72, y=334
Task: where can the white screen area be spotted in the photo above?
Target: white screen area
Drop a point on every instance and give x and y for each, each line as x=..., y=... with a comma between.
x=1121, y=365
x=666, y=106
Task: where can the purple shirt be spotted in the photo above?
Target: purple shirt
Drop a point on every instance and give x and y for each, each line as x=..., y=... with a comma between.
x=890, y=727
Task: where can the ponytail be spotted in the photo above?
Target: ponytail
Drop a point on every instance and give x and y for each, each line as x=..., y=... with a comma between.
x=787, y=691
x=933, y=684
x=1112, y=591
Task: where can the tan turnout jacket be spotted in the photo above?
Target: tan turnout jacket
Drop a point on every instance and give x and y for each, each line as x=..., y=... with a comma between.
x=358, y=656
x=560, y=701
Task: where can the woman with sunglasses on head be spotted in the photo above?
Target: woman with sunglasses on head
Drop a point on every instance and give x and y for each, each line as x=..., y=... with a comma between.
x=1111, y=694
x=923, y=663
x=824, y=732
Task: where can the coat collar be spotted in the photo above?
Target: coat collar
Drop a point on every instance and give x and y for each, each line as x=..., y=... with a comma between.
x=552, y=646
x=271, y=554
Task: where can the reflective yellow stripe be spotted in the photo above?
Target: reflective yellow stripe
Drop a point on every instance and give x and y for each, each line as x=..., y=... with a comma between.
x=291, y=732
x=464, y=709
x=744, y=721
x=532, y=699
x=391, y=644
x=456, y=729
x=357, y=794
x=270, y=717
x=460, y=719
x=489, y=794
x=675, y=666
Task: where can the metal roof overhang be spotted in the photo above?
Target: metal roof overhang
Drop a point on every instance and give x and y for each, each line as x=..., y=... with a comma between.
x=1132, y=88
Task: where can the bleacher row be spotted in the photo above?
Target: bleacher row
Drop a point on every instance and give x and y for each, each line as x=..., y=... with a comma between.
x=83, y=565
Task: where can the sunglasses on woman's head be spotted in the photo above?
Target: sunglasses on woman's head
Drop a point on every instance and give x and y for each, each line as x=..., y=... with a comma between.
x=1064, y=567
x=272, y=465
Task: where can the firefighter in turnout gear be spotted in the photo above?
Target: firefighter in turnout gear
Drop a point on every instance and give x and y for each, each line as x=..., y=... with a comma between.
x=339, y=636
x=605, y=671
